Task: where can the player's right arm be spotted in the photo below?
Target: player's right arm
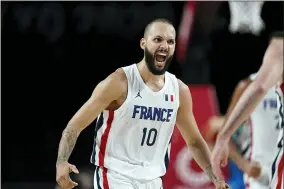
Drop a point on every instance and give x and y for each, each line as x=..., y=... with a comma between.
x=251, y=168
x=106, y=92
x=214, y=129
x=234, y=153
x=269, y=74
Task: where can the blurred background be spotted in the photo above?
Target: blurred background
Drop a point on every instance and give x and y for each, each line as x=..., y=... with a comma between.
x=55, y=53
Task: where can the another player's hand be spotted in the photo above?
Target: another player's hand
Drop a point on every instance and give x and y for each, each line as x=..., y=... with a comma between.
x=62, y=175
x=222, y=185
x=219, y=157
x=253, y=169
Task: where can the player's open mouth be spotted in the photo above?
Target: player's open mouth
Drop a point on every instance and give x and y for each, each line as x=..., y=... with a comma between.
x=160, y=57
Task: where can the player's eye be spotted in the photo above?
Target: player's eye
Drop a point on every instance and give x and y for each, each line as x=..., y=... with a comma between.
x=157, y=39
x=171, y=42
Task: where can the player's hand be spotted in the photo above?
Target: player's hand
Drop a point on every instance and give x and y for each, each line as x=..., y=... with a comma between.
x=219, y=157
x=222, y=185
x=253, y=170
x=62, y=175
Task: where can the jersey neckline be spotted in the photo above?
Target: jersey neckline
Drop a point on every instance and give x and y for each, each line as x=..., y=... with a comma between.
x=146, y=86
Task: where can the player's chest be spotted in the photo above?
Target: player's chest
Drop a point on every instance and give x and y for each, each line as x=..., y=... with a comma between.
x=158, y=108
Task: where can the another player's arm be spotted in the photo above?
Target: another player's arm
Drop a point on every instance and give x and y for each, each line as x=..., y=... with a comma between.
x=216, y=124
x=105, y=92
x=188, y=128
x=237, y=157
x=269, y=74
x=235, y=154
x=240, y=88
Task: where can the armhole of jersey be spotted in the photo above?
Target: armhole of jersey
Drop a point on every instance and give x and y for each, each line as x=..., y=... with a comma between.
x=128, y=90
x=176, y=87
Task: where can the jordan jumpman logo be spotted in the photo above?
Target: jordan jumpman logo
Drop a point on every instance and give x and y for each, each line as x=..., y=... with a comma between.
x=138, y=94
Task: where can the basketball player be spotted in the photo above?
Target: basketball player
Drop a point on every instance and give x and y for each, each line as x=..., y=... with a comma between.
x=137, y=108
x=255, y=154
x=269, y=75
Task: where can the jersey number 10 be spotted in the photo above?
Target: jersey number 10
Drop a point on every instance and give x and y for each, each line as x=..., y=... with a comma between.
x=151, y=136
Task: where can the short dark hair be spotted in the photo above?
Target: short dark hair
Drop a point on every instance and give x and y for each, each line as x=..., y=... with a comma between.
x=277, y=35
x=162, y=20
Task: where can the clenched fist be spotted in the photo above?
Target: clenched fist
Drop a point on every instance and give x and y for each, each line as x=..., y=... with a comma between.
x=221, y=185
x=253, y=170
x=62, y=175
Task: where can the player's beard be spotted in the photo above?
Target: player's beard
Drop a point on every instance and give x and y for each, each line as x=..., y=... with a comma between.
x=150, y=62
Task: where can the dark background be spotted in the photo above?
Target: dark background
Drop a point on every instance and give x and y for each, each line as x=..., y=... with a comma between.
x=54, y=54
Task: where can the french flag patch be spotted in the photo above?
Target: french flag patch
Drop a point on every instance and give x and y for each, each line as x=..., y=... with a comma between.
x=169, y=97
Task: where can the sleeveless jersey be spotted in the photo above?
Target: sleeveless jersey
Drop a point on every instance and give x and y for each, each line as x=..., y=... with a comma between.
x=264, y=122
x=134, y=140
x=277, y=169
x=264, y=128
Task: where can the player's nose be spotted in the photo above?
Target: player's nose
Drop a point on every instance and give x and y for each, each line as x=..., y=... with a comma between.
x=164, y=46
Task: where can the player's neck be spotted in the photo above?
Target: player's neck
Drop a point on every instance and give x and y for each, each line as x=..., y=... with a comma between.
x=146, y=75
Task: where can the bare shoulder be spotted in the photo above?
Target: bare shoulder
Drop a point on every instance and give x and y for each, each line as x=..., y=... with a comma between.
x=185, y=99
x=116, y=80
x=183, y=88
x=114, y=86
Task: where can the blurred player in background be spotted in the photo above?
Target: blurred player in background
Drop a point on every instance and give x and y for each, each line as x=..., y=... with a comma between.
x=254, y=144
x=269, y=75
x=137, y=108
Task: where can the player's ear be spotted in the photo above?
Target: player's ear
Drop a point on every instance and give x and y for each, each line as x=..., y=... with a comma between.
x=142, y=43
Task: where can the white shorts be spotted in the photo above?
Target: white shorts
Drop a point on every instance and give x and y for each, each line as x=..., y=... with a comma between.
x=107, y=179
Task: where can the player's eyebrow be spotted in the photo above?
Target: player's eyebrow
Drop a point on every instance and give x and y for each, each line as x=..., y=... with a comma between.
x=169, y=38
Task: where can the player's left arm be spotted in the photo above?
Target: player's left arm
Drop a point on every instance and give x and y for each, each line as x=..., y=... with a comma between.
x=188, y=128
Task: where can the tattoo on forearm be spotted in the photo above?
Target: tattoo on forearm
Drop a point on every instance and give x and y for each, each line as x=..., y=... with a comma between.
x=210, y=173
x=67, y=143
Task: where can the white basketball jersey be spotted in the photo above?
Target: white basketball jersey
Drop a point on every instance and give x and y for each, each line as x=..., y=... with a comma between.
x=134, y=140
x=264, y=123
x=277, y=169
